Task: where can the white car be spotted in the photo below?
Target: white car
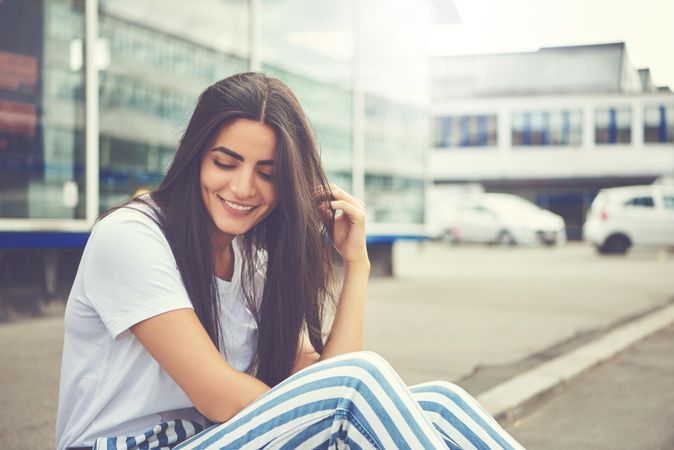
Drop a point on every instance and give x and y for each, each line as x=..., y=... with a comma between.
x=620, y=218
x=506, y=219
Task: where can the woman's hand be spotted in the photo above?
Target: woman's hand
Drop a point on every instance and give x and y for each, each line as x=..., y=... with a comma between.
x=349, y=230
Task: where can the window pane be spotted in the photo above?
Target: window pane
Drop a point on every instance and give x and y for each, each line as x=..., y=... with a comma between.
x=465, y=131
x=613, y=125
x=310, y=49
x=395, y=78
x=162, y=54
x=546, y=128
x=42, y=109
x=659, y=123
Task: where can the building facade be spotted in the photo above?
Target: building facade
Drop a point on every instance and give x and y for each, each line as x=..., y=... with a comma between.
x=94, y=96
x=554, y=126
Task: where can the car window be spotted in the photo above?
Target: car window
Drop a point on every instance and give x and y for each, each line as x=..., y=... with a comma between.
x=646, y=202
x=669, y=201
x=598, y=201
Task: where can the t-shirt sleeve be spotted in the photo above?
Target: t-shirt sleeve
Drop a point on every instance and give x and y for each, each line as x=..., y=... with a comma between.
x=129, y=271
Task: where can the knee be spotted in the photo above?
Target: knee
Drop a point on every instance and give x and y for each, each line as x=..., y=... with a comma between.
x=443, y=389
x=366, y=360
x=355, y=365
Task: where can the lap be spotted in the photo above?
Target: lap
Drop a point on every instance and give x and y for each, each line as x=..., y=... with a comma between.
x=306, y=398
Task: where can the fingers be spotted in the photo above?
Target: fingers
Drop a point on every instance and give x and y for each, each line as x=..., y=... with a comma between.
x=354, y=212
x=340, y=194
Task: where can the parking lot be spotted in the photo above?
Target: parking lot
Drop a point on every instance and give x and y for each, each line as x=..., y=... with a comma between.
x=452, y=308
x=448, y=311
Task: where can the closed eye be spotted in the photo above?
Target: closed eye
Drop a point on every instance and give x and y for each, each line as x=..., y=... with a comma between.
x=223, y=166
x=264, y=175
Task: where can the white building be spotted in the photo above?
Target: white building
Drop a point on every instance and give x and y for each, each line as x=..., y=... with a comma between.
x=554, y=126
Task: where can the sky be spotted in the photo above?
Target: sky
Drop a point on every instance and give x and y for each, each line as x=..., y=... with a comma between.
x=502, y=26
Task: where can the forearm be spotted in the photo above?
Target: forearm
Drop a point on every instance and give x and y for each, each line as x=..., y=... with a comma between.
x=348, y=326
x=226, y=400
x=179, y=343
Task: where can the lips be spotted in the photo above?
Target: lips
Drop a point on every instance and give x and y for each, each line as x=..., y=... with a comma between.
x=236, y=209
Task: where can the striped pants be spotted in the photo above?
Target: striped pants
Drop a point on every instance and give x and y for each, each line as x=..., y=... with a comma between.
x=357, y=401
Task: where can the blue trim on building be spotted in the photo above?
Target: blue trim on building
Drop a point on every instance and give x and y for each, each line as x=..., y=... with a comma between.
x=464, y=124
x=14, y=240
x=545, y=130
x=526, y=128
x=42, y=240
x=390, y=238
x=482, y=130
x=662, y=129
x=566, y=127
x=612, y=126
x=446, y=132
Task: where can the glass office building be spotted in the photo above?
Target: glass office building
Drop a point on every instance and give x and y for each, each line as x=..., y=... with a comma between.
x=94, y=96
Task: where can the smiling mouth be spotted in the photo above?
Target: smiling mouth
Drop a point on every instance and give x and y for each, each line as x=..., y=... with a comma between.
x=236, y=206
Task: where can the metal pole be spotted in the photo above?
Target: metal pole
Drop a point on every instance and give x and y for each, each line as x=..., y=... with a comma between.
x=254, y=62
x=91, y=110
x=358, y=107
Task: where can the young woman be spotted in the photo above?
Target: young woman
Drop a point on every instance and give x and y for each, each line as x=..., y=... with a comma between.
x=202, y=304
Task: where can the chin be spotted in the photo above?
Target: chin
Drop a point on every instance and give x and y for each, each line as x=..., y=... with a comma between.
x=234, y=229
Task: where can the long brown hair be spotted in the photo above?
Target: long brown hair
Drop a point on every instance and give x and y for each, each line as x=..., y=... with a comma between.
x=293, y=238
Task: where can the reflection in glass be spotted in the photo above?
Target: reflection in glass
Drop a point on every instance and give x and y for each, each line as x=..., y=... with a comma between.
x=396, y=138
x=311, y=50
x=394, y=72
x=395, y=199
x=162, y=55
x=41, y=109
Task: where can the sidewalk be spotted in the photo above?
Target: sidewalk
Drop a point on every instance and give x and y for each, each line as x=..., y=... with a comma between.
x=626, y=403
x=30, y=362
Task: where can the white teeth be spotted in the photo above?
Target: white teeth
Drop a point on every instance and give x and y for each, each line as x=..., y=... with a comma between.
x=238, y=207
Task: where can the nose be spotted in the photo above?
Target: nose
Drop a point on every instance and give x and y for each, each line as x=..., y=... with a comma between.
x=242, y=184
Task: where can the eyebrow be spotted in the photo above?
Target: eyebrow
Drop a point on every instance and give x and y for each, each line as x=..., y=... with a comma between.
x=233, y=154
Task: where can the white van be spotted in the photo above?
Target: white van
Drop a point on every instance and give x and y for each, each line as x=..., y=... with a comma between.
x=620, y=218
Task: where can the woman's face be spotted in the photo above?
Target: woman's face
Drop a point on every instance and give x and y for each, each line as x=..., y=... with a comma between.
x=236, y=172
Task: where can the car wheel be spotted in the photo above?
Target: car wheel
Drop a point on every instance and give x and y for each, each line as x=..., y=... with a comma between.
x=505, y=238
x=616, y=244
x=448, y=237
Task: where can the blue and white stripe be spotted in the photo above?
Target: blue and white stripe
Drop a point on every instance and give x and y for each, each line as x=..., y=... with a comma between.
x=354, y=401
x=162, y=437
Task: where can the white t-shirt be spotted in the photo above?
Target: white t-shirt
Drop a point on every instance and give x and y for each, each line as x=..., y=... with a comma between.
x=110, y=385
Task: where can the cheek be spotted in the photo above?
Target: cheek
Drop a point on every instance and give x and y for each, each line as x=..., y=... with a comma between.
x=208, y=178
x=270, y=195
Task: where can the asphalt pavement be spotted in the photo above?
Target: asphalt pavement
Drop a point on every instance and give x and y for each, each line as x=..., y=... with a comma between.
x=477, y=316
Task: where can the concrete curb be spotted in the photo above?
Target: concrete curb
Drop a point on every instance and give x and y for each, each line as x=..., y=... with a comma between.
x=504, y=399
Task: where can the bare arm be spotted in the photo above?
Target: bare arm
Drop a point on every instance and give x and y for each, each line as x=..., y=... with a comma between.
x=181, y=346
x=348, y=326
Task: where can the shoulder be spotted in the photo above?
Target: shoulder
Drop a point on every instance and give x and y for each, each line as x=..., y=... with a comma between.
x=133, y=218
x=133, y=231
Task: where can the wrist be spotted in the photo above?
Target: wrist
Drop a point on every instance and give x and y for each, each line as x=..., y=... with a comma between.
x=362, y=264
